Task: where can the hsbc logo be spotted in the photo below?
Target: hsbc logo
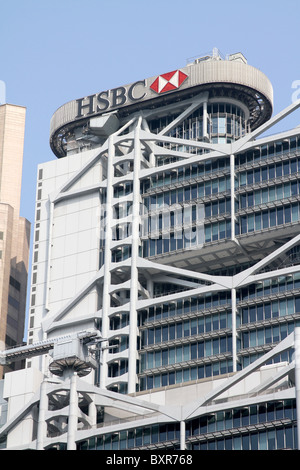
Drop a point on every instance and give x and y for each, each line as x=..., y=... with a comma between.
x=122, y=96
x=168, y=81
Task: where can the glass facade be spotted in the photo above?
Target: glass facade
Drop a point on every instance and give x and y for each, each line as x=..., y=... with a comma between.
x=190, y=207
x=225, y=122
x=175, y=234
x=186, y=209
x=262, y=426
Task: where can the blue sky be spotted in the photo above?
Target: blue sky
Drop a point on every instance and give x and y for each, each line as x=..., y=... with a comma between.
x=54, y=51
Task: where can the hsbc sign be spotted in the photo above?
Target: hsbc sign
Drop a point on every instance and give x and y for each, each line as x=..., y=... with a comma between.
x=168, y=81
x=126, y=95
x=114, y=98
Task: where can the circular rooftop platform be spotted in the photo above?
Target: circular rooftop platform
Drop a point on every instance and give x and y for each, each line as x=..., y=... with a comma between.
x=232, y=78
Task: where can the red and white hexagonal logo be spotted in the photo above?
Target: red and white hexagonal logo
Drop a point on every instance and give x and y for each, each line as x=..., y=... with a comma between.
x=168, y=81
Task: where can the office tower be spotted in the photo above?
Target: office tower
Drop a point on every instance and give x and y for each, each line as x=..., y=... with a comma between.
x=165, y=292
x=14, y=230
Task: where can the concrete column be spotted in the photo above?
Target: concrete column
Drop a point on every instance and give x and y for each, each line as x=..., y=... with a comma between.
x=150, y=287
x=297, y=379
x=204, y=123
x=73, y=413
x=233, y=314
x=93, y=413
x=134, y=258
x=107, y=261
x=182, y=435
x=232, y=196
x=151, y=153
x=42, y=424
x=50, y=231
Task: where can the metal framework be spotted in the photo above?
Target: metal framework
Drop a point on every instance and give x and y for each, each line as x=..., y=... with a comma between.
x=68, y=407
x=127, y=274
x=126, y=278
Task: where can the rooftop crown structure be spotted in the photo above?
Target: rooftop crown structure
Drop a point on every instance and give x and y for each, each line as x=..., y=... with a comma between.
x=170, y=226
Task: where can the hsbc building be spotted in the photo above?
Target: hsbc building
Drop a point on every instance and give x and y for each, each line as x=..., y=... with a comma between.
x=165, y=294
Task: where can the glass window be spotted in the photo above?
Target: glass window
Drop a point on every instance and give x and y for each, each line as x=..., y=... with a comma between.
x=262, y=413
x=289, y=438
x=186, y=328
x=157, y=358
x=165, y=333
x=208, y=350
x=288, y=409
x=257, y=175
x=295, y=213
x=139, y=437
x=211, y=423
x=157, y=335
x=207, y=188
x=178, y=376
x=270, y=411
x=280, y=216
x=260, y=337
x=287, y=214
x=272, y=217
x=245, y=338
x=257, y=197
x=286, y=167
x=228, y=443
x=194, y=326
x=236, y=418
x=278, y=169
x=130, y=439
x=280, y=438
x=243, y=224
x=265, y=219
x=214, y=125
x=186, y=375
x=172, y=331
x=259, y=312
x=257, y=221
x=194, y=349
x=271, y=171
x=250, y=222
x=186, y=352
x=253, y=338
x=245, y=416
x=263, y=440
x=254, y=441
x=179, y=354
x=154, y=434
x=245, y=442
x=222, y=125
x=227, y=424
x=268, y=333
x=164, y=357
x=172, y=356
x=220, y=444
x=264, y=173
x=215, y=346
x=253, y=414
x=237, y=443
x=243, y=180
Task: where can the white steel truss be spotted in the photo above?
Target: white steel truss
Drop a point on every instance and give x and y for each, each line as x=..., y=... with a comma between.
x=129, y=156
x=61, y=419
x=139, y=143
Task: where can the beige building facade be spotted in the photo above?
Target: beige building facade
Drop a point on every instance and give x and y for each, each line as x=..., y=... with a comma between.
x=14, y=230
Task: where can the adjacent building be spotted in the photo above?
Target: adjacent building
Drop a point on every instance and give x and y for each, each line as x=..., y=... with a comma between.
x=165, y=294
x=14, y=230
